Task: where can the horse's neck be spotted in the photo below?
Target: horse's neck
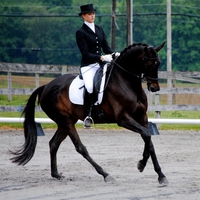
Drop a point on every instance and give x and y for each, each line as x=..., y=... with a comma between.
x=131, y=60
x=128, y=67
x=129, y=80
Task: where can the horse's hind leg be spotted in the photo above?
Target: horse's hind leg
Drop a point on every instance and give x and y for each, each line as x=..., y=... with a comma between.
x=80, y=148
x=54, y=144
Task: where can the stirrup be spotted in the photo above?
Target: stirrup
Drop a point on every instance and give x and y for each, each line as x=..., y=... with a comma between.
x=87, y=122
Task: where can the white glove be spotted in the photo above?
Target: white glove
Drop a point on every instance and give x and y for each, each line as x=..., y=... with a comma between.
x=117, y=54
x=107, y=58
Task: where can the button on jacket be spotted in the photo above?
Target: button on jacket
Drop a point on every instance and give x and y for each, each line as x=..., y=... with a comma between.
x=91, y=44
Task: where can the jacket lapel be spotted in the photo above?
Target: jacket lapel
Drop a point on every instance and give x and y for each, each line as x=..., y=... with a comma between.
x=88, y=29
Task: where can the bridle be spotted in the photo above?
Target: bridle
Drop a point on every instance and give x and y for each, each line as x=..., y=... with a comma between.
x=151, y=59
x=113, y=62
x=144, y=76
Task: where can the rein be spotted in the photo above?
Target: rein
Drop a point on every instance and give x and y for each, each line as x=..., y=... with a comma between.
x=137, y=76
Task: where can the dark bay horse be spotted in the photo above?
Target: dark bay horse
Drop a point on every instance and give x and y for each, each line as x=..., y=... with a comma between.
x=124, y=102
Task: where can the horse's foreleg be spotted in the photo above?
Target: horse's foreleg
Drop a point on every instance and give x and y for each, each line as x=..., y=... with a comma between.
x=142, y=163
x=54, y=144
x=80, y=148
x=149, y=151
x=161, y=177
x=129, y=123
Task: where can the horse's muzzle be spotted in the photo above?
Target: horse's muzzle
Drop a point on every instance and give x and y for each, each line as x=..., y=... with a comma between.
x=153, y=87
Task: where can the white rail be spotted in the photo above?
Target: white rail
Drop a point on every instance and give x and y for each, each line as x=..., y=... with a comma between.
x=153, y=120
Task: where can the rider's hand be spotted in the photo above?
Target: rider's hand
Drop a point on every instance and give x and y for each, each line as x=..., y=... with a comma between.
x=117, y=54
x=107, y=58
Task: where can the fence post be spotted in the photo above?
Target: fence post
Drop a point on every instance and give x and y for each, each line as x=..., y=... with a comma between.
x=9, y=86
x=150, y=100
x=37, y=79
x=157, y=112
x=173, y=95
x=64, y=69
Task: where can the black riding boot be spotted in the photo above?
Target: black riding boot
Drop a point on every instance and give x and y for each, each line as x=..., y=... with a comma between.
x=88, y=104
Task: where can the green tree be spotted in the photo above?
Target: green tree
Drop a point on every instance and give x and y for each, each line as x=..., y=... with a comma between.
x=185, y=36
x=54, y=31
x=12, y=35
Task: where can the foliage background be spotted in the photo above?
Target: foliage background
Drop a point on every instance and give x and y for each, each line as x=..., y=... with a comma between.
x=50, y=26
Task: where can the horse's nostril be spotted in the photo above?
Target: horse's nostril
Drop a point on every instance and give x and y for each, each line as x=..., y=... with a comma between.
x=153, y=88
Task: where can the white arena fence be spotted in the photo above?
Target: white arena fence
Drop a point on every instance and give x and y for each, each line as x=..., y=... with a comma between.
x=178, y=98
x=153, y=120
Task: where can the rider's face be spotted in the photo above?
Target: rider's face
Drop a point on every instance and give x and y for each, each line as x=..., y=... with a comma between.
x=89, y=17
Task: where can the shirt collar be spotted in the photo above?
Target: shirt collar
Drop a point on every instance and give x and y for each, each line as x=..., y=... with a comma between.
x=90, y=25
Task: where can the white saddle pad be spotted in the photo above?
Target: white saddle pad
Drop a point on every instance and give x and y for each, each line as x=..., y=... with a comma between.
x=76, y=89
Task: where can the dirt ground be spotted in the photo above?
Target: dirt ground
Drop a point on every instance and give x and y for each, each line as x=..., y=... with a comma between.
x=118, y=152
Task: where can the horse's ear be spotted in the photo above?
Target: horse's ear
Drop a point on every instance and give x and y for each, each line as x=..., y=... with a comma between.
x=160, y=47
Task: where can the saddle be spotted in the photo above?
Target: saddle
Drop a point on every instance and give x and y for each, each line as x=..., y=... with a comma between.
x=77, y=88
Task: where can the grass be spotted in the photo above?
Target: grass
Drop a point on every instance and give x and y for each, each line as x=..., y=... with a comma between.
x=179, y=115
x=16, y=100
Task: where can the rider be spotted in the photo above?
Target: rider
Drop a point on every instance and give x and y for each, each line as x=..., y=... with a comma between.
x=91, y=39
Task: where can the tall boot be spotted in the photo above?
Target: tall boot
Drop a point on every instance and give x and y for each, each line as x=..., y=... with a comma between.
x=88, y=104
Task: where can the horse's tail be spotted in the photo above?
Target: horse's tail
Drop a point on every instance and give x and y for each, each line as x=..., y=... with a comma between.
x=26, y=152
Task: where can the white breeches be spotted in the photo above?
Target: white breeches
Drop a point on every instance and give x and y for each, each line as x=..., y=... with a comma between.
x=88, y=73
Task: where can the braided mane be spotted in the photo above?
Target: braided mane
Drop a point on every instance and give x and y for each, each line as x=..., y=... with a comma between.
x=129, y=48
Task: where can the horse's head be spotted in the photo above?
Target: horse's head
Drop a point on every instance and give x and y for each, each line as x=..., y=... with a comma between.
x=138, y=59
x=151, y=62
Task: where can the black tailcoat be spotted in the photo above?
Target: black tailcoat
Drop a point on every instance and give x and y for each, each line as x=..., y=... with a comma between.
x=91, y=44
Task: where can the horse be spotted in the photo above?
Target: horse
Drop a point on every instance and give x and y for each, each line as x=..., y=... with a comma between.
x=124, y=103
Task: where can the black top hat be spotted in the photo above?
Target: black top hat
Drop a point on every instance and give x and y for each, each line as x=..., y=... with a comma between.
x=86, y=9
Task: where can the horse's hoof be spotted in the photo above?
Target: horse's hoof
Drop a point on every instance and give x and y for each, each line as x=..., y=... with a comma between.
x=58, y=176
x=140, y=166
x=109, y=179
x=163, y=181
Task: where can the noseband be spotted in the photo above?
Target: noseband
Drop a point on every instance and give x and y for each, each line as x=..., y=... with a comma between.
x=146, y=58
